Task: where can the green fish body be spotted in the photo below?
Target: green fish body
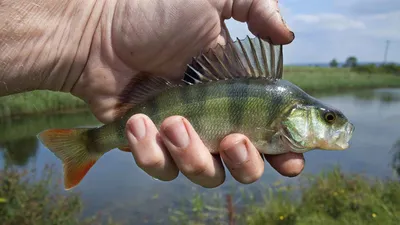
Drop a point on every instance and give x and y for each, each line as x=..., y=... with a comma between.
x=232, y=89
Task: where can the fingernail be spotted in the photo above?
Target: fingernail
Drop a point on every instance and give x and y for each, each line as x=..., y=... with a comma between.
x=177, y=134
x=238, y=153
x=293, y=35
x=138, y=128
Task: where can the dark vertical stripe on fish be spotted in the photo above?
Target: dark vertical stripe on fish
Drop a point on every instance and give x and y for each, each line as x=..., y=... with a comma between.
x=238, y=95
x=120, y=128
x=92, y=136
x=153, y=107
x=193, y=95
x=277, y=102
x=201, y=96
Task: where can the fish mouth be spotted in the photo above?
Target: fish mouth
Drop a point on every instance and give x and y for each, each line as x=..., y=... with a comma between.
x=289, y=142
x=350, y=130
x=343, y=141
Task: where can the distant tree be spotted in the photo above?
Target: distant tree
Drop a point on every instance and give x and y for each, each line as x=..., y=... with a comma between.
x=333, y=63
x=350, y=62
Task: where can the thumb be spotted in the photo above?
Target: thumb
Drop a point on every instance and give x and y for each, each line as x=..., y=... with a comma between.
x=263, y=19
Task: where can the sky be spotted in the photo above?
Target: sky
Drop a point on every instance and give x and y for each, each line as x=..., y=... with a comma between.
x=337, y=29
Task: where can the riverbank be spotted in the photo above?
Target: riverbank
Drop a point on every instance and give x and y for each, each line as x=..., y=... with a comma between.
x=330, y=198
x=311, y=79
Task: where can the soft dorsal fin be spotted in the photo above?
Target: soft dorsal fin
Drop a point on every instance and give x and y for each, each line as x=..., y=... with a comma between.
x=248, y=58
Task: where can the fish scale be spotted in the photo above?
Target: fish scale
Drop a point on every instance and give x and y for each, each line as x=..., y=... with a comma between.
x=233, y=89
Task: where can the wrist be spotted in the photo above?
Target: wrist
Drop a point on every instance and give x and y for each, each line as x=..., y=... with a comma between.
x=45, y=45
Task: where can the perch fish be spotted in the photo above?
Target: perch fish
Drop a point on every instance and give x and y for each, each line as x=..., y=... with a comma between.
x=233, y=88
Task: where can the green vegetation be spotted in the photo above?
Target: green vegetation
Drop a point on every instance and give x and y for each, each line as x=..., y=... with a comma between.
x=389, y=68
x=331, y=80
x=351, y=62
x=39, y=102
x=25, y=201
x=331, y=198
x=334, y=63
x=370, y=68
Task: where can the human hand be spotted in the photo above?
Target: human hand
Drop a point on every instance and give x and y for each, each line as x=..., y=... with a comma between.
x=94, y=48
x=159, y=38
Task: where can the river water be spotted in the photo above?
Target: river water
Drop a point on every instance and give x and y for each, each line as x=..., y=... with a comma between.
x=116, y=185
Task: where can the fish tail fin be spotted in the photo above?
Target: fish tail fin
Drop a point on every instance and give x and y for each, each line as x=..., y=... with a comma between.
x=70, y=146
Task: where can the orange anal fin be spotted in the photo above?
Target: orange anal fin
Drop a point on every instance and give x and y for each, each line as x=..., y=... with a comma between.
x=125, y=149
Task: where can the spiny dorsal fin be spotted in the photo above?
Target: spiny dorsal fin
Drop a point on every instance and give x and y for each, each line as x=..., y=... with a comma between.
x=249, y=58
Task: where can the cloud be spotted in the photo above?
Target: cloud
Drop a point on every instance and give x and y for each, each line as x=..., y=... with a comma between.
x=369, y=6
x=329, y=21
x=383, y=25
x=338, y=29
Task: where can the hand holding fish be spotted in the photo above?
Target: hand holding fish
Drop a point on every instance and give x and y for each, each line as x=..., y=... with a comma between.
x=160, y=40
x=112, y=53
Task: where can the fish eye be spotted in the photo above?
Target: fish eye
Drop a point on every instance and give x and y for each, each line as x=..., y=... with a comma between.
x=330, y=117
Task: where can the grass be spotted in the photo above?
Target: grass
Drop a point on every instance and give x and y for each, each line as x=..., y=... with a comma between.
x=25, y=201
x=311, y=79
x=35, y=102
x=330, y=80
x=331, y=198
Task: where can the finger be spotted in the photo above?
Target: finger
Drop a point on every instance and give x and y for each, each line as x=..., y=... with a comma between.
x=148, y=150
x=242, y=158
x=288, y=164
x=264, y=19
x=190, y=154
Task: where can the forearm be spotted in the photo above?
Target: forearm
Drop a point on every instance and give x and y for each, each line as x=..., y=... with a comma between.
x=42, y=42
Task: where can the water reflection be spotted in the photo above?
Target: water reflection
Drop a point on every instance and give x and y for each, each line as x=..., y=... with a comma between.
x=385, y=96
x=18, y=142
x=19, y=151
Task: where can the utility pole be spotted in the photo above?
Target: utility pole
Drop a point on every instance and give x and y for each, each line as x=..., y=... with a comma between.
x=386, y=51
